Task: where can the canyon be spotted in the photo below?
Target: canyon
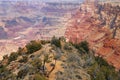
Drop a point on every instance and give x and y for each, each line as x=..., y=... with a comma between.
x=99, y=25
x=53, y=40
x=94, y=21
x=23, y=21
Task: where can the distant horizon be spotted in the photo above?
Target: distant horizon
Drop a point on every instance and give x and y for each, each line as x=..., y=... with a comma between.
x=48, y=0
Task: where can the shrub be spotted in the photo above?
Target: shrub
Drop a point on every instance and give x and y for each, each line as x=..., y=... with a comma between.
x=101, y=70
x=83, y=47
x=33, y=46
x=39, y=77
x=4, y=75
x=2, y=68
x=37, y=63
x=22, y=73
x=13, y=56
x=10, y=76
x=67, y=46
x=56, y=42
x=102, y=62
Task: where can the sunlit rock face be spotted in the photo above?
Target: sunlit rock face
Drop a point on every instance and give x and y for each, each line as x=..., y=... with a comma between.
x=99, y=25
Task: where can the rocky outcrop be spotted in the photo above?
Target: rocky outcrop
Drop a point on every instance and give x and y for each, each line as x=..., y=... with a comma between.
x=110, y=51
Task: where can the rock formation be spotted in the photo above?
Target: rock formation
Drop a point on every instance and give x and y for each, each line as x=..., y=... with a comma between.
x=100, y=26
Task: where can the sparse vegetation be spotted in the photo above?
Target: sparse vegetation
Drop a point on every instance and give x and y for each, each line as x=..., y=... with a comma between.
x=33, y=46
x=2, y=68
x=39, y=77
x=102, y=70
x=56, y=42
x=13, y=56
x=67, y=46
x=76, y=65
x=22, y=73
x=37, y=63
x=58, y=58
x=83, y=47
x=45, y=42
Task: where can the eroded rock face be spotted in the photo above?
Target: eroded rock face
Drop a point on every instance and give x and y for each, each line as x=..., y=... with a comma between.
x=111, y=52
x=96, y=29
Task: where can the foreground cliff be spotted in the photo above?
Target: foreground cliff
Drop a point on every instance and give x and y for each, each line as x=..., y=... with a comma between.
x=55, y=60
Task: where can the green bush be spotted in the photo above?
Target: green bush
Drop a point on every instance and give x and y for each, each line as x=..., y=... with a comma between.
x=33, y=46
x=22, y=73
x=39, y=77
x=83, y=47
x=56, y=42
x=5, y=57
x=2, y=68
x=13, y=56
x=101, y=70
x=102, y=62
x=37, y=63
x=67, y=46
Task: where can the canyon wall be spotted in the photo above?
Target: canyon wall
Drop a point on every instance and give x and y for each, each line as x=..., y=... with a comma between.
x=99, y=25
